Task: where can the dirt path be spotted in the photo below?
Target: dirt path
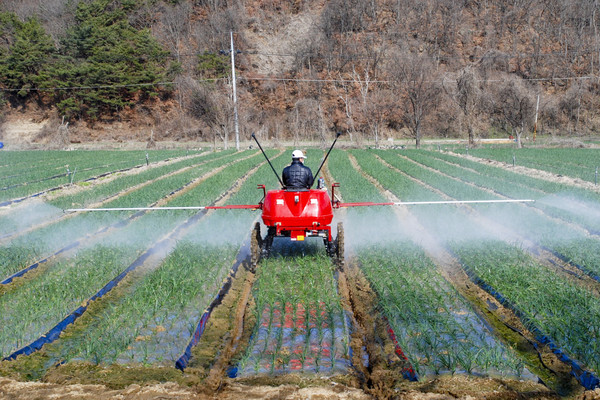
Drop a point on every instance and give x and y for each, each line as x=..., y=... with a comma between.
x=292, y=390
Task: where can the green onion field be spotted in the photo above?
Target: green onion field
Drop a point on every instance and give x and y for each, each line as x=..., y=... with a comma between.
x=427, y=297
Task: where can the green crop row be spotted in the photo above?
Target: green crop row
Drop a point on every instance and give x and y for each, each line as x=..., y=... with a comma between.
x=144, y=230
x=554, y=199
x=54, y=236
x=403, y=187
x=154, y=321
x=569, y=314
x=167, y=303
x=527, y=222
x=28, y=215
x=35, y=166
x=32, y=309
x=102, y=191
x=435, y=327
x=14, y=162
x=76, y=166
x=508, y=175
x=354, y=186
x=296, y=287
x=455, y=189
x=530, y=224
x=576, y=163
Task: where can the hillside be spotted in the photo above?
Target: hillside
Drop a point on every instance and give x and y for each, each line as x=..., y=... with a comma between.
x=152, y=71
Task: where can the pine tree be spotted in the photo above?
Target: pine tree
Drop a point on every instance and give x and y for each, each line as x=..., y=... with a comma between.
x=26, y=63
x=111, y=57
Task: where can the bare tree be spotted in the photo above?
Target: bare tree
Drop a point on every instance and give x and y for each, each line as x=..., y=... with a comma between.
x=213, y=5
x=55, y=15
x=571, y=105
x=348, y=102
x=378, y=110
x=215, y=109
x=344, y=16
x=308, y=49
x=307, y=119
x=363, y=83
x=416, y=83
x=515, y=104
x=213, y=32
x=465, y=91
x=176, y=25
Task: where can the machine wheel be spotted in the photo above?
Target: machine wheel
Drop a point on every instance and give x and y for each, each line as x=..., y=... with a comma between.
x=255, y=247
x=339, y=245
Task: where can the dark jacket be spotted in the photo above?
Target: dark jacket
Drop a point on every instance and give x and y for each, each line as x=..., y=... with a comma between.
x=297, y=176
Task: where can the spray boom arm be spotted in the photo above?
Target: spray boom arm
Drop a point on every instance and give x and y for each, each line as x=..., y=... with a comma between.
x=228, y=207
x=335, y=203
x=338, y=204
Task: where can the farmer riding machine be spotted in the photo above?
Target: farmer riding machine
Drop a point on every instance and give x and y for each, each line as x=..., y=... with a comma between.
x=297, y=214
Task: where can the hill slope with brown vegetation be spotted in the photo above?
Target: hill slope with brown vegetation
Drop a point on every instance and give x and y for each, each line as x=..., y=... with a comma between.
x=375, y=69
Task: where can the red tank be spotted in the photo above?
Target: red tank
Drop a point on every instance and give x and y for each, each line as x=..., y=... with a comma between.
x=298, y=213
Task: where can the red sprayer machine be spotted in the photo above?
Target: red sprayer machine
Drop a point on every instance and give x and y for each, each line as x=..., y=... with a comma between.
x=298, y=213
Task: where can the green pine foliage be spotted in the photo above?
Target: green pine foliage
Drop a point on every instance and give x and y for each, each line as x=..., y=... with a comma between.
x=25, y=64
x=102, y=51
x=213, y=66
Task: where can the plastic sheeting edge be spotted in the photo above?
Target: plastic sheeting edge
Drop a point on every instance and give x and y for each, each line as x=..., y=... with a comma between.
x=182, y=362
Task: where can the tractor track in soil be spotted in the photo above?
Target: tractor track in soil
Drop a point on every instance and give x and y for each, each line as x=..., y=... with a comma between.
x=505, y=322
x=104, y=231
x=229, y=332
x=227, y=335
x=536, y=250
x=369, y=338
x=74, y=189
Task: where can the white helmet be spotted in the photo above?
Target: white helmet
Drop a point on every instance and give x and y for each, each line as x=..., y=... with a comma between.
x=298, y=154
